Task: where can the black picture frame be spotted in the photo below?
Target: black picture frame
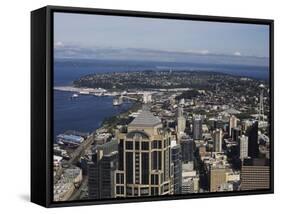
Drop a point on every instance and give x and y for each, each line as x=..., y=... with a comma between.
x=42, y=102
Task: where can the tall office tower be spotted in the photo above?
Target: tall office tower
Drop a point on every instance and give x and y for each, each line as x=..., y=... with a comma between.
x=93, y=180
x=255, y=174
x=218, y=140
x=144, y=158
x=218, y=124
x=236, y=133
x=187, y=147
x=177, y=167
x=253, y=146
x=243, y=145
x=245, y=125
x=190, y=179
x=197, y=127
x=217, y=177
x=181, y=122
x=232, y=124
x=101, y=176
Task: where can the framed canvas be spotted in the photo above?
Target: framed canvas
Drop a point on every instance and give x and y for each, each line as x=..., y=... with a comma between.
x=131, y=106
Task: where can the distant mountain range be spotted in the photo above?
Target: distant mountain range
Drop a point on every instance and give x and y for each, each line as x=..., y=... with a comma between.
x=204, y=57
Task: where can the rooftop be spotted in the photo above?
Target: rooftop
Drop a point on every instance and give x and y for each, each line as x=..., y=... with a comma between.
x=145, y=118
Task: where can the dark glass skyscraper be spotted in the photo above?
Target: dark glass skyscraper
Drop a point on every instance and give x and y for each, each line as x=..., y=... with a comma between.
x=177, y=166
x=253, y=146
x=101, y=176
x=187, y=148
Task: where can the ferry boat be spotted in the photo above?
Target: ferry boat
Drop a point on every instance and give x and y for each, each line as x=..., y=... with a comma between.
x=74, y=96
x=117, y=101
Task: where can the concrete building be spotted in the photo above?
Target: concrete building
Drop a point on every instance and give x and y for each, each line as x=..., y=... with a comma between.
x=243, y=145
x=190, y=180
x=217, y=135
x=181, y=122
x=216, y=169
x=255, y=174
x=144, y=158
x=232, y=124
x=197, y=127
x=217, y=177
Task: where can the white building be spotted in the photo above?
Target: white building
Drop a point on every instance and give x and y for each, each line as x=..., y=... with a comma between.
x=190, y=182
x=232, y=123
x=243, y=143
x=181, y=122
x=218, y=140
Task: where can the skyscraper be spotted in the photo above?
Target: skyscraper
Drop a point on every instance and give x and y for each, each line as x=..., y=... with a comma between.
x=253, y=146
x=232, y=124
x=217, y=177
x=217, y=140
x=101, y=174
x=181, y=122
x=236, y=133
x=144, y=158
x=187, y=147
x=177, y=167
x=243, y=145
x=197, y=128
x=255, y=174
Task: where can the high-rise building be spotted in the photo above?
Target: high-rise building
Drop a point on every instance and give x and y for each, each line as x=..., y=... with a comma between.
x=144, y=158
x=190, y=179
x=232, y=124
x=243, y=145
x=187, y=147
x=255, y=174
x=217, y=177
x=236, y=133
x=101, y=175
x=253, y=146
x=190, y=183
x=217, y=140
x=218, y=124
x=93, y=180
x=177, y=168
x=181, y=122
x=197, y=127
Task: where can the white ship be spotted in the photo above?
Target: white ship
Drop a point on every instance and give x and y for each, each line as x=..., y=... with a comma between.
x=74, y=96
x=117, y=101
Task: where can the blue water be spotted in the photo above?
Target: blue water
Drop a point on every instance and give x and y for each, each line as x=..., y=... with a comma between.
x=68, y=70
x=86, y=113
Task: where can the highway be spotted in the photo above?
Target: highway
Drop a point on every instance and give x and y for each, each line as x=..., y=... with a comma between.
x=76, y=154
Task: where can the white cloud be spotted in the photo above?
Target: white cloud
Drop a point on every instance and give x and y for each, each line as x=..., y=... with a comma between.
x=204, y=52
x=237, y=53
x=196, y=51
x=58, y=44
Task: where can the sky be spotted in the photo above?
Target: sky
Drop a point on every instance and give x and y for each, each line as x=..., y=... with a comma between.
x=99, y=36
